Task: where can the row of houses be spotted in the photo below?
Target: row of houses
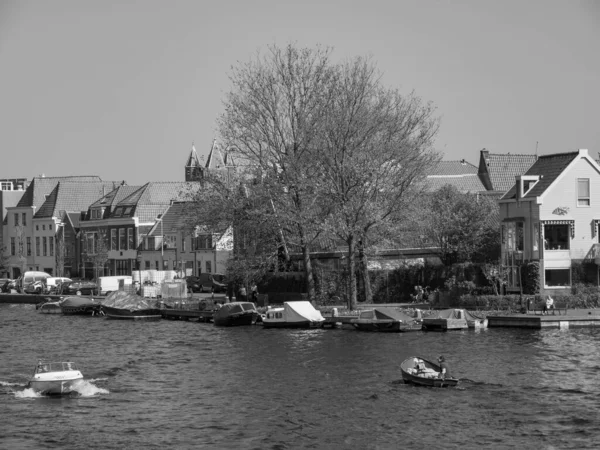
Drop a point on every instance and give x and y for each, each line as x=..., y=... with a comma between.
x=547, y=207
x=82, y=226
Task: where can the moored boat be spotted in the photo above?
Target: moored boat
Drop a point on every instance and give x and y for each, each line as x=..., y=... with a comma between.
x=49, y=307
x=127, y=306
x=55, y=378
x=76, y=305
x=446, y=320
x=235, y=313
x=387, y=319
x=299, y=314
x=419, y=371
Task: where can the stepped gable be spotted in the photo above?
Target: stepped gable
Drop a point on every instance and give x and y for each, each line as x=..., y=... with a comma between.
x=460, y=174
x=498, y=171
x=550, y=166
x=72, y=196
x=40, y=187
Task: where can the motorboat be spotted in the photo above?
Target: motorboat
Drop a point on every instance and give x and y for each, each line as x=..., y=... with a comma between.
x=299, y=314
x=387, y=319
x=127, y=306
x=55, y=378
x=421, y=372
x=235, y=313
x=77, y=305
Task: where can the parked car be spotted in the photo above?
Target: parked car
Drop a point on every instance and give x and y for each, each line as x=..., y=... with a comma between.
x=78, y=288
x=53, y=283
x=207, y=282
x=37, y=287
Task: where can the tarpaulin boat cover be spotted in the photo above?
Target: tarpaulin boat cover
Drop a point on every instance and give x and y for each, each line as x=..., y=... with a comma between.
x=449, y=314
x=383, y=313
x=76, y=302
x=125, y=300
x=301, y=311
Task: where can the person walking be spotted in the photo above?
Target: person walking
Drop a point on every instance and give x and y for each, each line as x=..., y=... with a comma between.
x=242, y=294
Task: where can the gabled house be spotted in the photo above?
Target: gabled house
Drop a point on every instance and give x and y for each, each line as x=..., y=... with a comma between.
x=31, y=240
x=497, y=171
x=462, y=175
x=115, y=226
x=550, y=215
x=171, y=244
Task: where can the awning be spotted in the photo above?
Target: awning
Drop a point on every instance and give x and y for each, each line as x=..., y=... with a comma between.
x=514, y=219
x=570, y=222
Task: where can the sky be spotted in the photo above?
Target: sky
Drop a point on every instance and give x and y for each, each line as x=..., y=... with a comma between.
x=121, y=89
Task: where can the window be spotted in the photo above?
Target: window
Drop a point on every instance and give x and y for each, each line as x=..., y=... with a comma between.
x=558, y=277
x=183, y=243
x=118, y=212
x=28, y=246
x=127, y=211
x=6, y=186
x=24, y=219
x=147, y=265
x=37, y=228
x=156, y=265
x=16, y=219
x=37, y=246
x=556, y=237
x=45, y=246
x=583, y=192
x=122, y=239
x=171, y=241
x=13, y=248
x=165, y=265
x=208, y=267
x=51, y=242
x=130, y=245
x=50, y=227
x=513, y=236
x=43, y=226
x=202, y=242
x=123, y=267
x=90, y=243
x=113, y=239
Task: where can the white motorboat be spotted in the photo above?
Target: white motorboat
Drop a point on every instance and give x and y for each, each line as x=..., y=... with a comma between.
x=299, y=314
x=55, y=378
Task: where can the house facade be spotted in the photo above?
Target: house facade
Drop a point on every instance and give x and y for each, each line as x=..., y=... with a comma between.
x=550, y=216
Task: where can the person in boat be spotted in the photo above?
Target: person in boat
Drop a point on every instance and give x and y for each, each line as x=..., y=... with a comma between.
x=444, y=368
x=549, y=305
x=419, y=366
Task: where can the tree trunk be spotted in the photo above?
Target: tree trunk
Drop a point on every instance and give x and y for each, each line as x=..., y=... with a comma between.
x=351, y=274
x=364, y=272
x=308, y=272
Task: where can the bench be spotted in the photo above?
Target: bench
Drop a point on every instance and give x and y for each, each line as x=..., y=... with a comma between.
x=559, y=308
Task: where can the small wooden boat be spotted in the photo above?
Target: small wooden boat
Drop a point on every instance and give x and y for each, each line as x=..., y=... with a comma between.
x=428, y=375
x=235, y=314
x=55, y=378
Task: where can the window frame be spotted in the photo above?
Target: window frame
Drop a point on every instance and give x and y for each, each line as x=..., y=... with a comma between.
x=585, y=198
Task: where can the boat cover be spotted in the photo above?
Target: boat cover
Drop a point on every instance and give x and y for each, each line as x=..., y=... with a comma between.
x=449, y=314
x=77, y=302
x=300, y=311
x=383, y=313
x=126, y=300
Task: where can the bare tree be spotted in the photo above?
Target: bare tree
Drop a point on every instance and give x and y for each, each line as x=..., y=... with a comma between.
x=377, y=145
x=21, y=252
x=95, y=249
x=272, y=122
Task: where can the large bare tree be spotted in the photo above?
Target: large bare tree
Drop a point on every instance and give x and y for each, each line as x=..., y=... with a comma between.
x=378, y=144
x=273, y=120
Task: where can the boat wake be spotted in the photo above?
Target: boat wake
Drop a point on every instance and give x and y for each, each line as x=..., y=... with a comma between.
x=82, y=388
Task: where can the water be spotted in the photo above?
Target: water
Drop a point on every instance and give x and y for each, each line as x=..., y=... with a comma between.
x=183, y=385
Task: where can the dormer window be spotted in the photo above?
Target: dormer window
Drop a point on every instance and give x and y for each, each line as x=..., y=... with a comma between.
x=127, y=211
x=525, y=183
x=118, y=212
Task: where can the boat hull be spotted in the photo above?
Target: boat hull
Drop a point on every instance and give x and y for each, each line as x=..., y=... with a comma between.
x=50, y=308
x=150, y=314
x=389, y=326
x=55, y=387
x=233, y=320
x=291, y=324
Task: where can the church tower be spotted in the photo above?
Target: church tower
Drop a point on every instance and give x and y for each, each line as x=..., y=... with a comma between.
x=193, y=169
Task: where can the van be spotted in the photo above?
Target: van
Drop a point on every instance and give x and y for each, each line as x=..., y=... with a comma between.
x=212, y=282
x=53, y=282
x=106, y=285
x=29, y=278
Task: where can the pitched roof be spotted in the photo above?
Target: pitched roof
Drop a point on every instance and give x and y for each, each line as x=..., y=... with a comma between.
x=547, y=166
x=193, y=160
x=40, y=187
x=218, y=159
x=115, y=196
x=73, y=196
x=498, y=171
x=460, y=174
x=151, y=199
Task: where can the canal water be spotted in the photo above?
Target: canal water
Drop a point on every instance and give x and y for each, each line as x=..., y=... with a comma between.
x=184, y=385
